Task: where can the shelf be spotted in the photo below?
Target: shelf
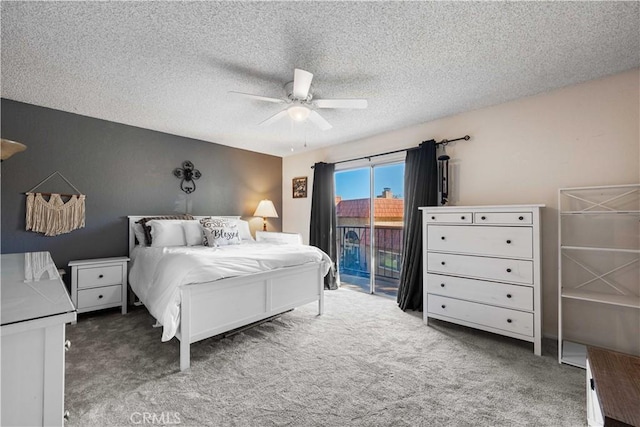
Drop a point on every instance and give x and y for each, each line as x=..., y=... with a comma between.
x=620, y=300
x=598, y=261
x=590, y=248
x=628, y=212
x=574, y=354
x=599, y=187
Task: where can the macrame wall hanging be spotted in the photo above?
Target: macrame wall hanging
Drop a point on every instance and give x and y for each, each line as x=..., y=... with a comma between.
x=54, y=217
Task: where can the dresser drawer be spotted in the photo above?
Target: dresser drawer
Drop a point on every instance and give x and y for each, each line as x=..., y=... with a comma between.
x=518, y=322
x=503, y=218
x=502, y=294
x=450, y=218
x=99, y=296
x=99, y=276
x=495, y=241
x=507, y=270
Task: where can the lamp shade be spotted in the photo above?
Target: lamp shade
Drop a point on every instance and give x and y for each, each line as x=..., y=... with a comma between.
x=8, y=148
x=266, y=209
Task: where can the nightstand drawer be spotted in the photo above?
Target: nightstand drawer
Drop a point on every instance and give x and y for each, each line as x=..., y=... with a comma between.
x=99, y=296
x=518, y=322
x=99, y=276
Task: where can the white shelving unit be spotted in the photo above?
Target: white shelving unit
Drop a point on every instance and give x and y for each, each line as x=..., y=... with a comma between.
x=598, y=270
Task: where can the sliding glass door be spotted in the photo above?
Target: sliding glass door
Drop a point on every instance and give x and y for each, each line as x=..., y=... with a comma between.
x=370, y=211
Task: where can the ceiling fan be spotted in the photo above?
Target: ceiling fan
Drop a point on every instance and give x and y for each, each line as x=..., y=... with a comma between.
x=300, y=103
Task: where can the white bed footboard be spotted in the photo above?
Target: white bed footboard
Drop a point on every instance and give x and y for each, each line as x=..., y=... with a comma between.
x=209, y=309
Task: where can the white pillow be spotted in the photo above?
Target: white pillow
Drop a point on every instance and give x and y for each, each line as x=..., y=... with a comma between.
x=221, y=236
x=167, y=232
x=243, y=229
x=192, y=232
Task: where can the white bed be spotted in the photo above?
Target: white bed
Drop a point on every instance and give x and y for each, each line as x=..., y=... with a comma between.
x=209, y=308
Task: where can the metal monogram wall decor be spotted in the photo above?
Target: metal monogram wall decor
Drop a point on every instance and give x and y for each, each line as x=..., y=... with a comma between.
x=188, y=174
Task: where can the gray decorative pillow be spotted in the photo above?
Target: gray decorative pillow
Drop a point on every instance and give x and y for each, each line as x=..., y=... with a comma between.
x=138, y=230
x=214, y=222
x=219, y=232
x=221, y=236
x=217, y=221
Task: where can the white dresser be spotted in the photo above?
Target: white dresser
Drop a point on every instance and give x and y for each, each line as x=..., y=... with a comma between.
x=35, y=308
x=482, y=269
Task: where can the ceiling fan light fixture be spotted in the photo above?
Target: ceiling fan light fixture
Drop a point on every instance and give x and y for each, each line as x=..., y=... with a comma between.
x=299, y=113
x=301, y=105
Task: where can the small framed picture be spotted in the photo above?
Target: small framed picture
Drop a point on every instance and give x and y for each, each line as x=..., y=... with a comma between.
x=299, y=187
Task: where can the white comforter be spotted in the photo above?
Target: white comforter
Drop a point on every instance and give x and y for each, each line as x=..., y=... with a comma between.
x=158, y=273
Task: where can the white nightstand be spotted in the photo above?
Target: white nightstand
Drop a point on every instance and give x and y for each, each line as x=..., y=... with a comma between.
x=277, y=237
x=99, y=283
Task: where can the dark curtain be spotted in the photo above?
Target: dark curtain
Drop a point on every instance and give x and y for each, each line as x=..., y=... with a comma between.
x=420, y=189
x=322, y=232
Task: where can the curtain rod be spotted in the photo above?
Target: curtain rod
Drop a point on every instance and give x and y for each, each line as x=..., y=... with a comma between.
x=443, y=143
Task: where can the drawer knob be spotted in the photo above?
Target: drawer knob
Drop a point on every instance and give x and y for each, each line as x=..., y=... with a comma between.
x=509, y=320
x=433, y=217
x=99, y=296
x=508, y=270
x=508, y=295
x=101, y=276
x=443, y=306
x=442, y=237
x=483, y=218
x=508, y=242
x=462, y=217
x=521, y=218
x=442, y=285
x=67, y=345
x=442, y=263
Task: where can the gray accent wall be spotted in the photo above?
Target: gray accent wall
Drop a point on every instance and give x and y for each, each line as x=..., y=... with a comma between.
x=123, y=170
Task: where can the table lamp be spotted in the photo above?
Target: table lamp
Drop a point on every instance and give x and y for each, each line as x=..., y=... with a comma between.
x=266, y=210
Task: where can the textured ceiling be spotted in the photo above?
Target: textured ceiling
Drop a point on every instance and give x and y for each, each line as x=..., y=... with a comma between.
x=168, y=66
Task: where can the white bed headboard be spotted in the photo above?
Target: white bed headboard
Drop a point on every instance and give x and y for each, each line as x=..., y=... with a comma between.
x=135, y=218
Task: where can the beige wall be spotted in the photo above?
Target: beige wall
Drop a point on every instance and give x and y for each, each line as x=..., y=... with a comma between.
x=520, y=152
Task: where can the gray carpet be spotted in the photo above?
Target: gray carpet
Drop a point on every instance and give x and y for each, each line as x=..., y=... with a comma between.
x=363, y=363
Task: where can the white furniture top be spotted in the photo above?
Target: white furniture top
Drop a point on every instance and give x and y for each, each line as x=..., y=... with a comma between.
x=98, y=261
x=31, y=288
x=500, y=208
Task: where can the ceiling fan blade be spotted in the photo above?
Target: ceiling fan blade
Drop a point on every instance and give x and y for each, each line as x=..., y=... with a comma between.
x=274, y=118
x=301, y=83
x=319, y=121
x=261, y=98
x=341, y=103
